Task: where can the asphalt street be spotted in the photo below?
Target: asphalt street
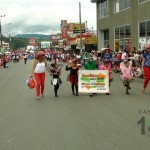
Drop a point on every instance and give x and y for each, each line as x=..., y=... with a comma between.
x=101, y=122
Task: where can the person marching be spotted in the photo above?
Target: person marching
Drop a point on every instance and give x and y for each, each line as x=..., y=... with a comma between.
x=127, y=75
x=90, y=65
x=38, y=71
x=4, y=60
x=73, y=76
x=146, y=67
x=56, y=81
x=107, y=66
x=25, y=58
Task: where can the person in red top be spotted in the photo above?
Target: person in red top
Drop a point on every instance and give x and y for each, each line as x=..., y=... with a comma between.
x=4, y=60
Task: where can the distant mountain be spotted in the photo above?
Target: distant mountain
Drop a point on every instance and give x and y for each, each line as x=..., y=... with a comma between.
x=36, y=36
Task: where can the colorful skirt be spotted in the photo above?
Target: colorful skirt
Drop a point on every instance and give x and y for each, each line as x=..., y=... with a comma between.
x=73, y=79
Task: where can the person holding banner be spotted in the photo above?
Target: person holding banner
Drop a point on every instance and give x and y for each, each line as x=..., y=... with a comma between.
x=90, y=65
x=73, y=76
x=106, y=65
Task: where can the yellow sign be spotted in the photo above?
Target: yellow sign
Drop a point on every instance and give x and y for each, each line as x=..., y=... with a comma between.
x=77, y=26
x=91, y=40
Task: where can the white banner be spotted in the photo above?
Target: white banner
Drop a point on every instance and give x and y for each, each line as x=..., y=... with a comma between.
x=93, y=81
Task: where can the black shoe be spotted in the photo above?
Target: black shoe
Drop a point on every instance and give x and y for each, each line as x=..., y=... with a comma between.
x=76, y=94
x=73, y=93
x=56, y=95
x=127, y=93
x=129, y=88
x=107, y=93
x=91, y=95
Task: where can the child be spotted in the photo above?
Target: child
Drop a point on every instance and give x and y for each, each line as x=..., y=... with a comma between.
x=56, y=81
x=106, y=66
x=73, y=76
x=127, y=75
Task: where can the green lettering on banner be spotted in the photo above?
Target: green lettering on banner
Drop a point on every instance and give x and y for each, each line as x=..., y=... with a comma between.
x=100, y=80
x=85, y=79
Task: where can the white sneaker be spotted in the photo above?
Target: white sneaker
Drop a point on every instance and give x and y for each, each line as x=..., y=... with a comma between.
x=38, y=97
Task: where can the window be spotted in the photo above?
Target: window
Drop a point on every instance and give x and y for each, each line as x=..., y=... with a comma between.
x=117, y=33
x=142, y=29
x=121, y=5
x=122, y=32
x=103, y=7
x=106, y=37
x=144, y=34
x=122, y=37
x=127, y=31
x=148, y=28
x=141, y=1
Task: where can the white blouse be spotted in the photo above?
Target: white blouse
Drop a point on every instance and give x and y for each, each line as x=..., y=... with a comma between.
x=40, y=67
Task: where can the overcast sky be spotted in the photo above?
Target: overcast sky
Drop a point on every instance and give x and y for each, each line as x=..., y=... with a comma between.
x=44, y=16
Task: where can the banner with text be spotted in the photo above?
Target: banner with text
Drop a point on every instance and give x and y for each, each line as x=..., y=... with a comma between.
x=93, y=81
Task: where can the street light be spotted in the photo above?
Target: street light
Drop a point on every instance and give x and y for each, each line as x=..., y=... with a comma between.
x=1, y=28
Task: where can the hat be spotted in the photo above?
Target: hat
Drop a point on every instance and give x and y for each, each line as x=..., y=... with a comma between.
x=120, y=52
x=125, y=60
x=147, y=46
x=106, y=60
x=40, y=53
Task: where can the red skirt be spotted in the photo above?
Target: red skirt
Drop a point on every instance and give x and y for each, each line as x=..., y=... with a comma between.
x=147, y=73
x=73, y=79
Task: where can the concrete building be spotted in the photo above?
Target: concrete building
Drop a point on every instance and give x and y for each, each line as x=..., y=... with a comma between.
x=123, y=23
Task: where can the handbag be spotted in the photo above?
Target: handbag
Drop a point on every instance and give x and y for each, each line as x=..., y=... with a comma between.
x=31, y=83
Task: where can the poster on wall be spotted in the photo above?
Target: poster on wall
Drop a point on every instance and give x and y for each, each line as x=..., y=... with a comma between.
x=117, y=45
x=148, y=40
x=142, y=43
x=128, y=44
x=95, y=81
x=122, y=44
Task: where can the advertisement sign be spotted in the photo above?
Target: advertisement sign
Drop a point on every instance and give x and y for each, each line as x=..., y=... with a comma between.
x=91, y=40
x=128, y=44
x=70, y=27
x=142, y=43
x=117, y=45
x=76, y=28
x=63, y=23
x=93, y=81
x=64, y=33
x=56, y=37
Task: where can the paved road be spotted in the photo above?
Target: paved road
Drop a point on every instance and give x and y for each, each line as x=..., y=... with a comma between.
x=68, y=122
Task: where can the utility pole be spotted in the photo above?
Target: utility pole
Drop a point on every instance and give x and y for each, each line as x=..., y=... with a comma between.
x=80, y=27
x=1, y=29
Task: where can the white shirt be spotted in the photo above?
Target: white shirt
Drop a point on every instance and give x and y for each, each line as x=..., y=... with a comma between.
x=40, y=67
x=123, y=57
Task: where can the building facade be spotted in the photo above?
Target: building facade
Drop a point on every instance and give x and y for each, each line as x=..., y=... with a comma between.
x=123, y=23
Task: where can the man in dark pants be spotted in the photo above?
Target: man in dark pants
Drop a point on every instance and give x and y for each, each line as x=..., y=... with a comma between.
x=25, y=58
x=4, y=59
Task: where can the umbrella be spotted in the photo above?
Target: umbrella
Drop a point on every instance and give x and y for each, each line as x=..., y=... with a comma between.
x=104, y=49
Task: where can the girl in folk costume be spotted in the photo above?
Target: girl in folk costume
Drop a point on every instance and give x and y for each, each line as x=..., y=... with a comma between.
x=107, y=66
x=56, y=72
x=146, y=67
x=38, y=71
x=127, y=75
x=73, y=76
